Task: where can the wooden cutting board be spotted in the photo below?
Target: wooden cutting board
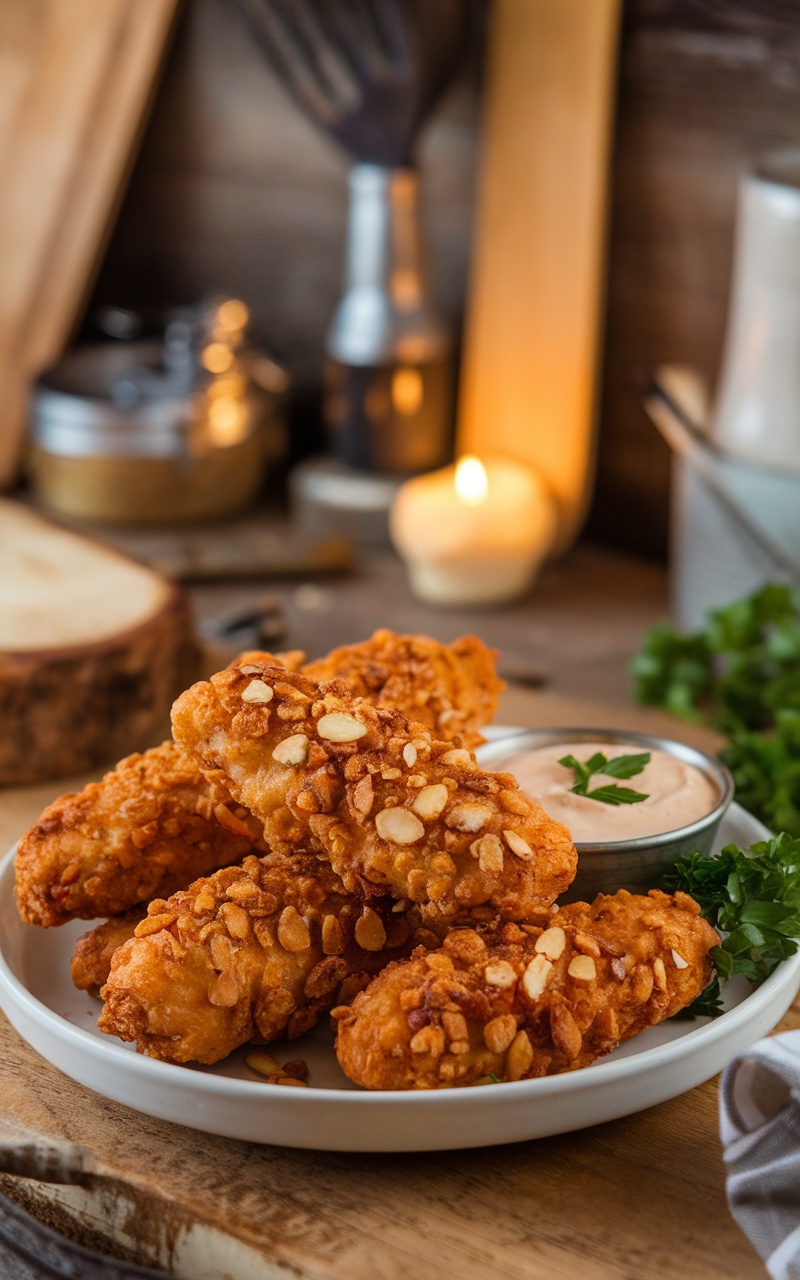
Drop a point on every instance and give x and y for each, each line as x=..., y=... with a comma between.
x=94, y=648
x=537, y=278
x=76, y=77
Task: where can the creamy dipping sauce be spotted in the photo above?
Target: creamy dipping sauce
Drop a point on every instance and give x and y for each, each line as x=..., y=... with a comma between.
x=677, y=793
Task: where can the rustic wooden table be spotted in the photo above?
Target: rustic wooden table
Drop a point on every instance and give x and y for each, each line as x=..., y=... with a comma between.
x=638, y=1199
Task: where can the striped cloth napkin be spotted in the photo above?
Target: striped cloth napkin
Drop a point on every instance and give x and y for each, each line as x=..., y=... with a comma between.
x=760, y=1130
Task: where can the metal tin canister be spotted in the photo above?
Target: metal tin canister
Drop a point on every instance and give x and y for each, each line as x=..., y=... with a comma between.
x=176, y=452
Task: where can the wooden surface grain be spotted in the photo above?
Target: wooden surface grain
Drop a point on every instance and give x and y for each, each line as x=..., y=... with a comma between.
x=641, y=1198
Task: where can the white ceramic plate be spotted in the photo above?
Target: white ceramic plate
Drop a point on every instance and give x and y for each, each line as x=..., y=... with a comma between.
x=60, y=1023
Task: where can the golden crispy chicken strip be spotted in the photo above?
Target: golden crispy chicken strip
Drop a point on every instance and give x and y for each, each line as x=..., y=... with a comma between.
x=249, y=953
x=451, y=688
x=393, y=809
x=529, y=1001
x=91, y=961
x=151, y=825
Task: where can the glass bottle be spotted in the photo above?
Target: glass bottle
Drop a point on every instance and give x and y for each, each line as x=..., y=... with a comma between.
x=389, y=374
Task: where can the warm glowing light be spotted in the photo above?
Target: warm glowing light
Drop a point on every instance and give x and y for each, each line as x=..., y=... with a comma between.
x=233, y=314
x=406, y=391
x=471, y=482
x=405, y=288
x=217, y=357
x=227, y=420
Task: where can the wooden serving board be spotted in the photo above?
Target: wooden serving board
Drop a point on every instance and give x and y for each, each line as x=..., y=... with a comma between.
x=603, y=1204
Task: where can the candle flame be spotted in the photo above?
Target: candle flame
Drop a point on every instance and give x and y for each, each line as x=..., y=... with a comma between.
x=471, y=481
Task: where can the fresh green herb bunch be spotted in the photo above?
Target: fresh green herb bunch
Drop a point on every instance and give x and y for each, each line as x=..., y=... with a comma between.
x=737, y=673
x=752, y=898
x=741, y=676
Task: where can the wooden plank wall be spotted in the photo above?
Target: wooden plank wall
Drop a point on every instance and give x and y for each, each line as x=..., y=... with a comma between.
x=235, y=190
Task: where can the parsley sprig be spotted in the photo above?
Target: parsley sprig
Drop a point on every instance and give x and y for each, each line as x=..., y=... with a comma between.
x=740, y=675
x=753, y=899
x=617, y=767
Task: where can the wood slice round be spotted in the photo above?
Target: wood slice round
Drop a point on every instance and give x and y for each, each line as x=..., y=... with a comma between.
x=94, y=648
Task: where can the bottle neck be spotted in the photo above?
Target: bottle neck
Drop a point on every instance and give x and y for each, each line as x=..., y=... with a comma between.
x=385, y=312
x=383, y=243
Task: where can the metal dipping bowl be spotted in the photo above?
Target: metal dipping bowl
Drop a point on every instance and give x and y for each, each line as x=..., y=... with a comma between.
x=638, y=864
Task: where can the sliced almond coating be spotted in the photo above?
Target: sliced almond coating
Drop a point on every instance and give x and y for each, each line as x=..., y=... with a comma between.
x=205, y=901
x=332, y=936
x=499, y=1033
x=154, y=924
x=292, y=750
x=428, y=1040
x=517, y=845
x=455, y=1025
x=410, y=754
x=519, y=1056
x=263, y=1064
x=499, y=973
x=293, y=934
x=223, y=951
x=229, y=821
x=363, y=795
x=565, y=1031
x=514, y=802
x=339, y=727
x=459, y=755
x=582, y=968
x=324, y=978
x=551, y=943
x=659, y=974
x=489, y=852
x=536, y=976
x=469, y=817
x=680, y=963
x=369, y=930
x=642, y=983
x=587, y=944
x=399, y=826
x=237, y=921
x=430, y=801
x=258, y=691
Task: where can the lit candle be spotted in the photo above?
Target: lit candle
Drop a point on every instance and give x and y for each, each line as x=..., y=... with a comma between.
x=473, y=533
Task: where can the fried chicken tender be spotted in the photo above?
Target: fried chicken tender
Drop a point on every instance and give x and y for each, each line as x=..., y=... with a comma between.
x=391, y=808
x=91, y=962
x=531, y=1001
x=249, y=953
x=151, y=825
x=451, y=688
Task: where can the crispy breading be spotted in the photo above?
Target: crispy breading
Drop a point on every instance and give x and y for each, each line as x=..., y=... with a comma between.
x=249, y=953
x=451, y=688
x=292, y=659
x=151, y=825
x=91, y=961
x=527, y=1001
x=393, y=809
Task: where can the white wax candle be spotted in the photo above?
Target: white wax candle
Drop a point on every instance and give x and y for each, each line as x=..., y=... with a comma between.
x=474, y=533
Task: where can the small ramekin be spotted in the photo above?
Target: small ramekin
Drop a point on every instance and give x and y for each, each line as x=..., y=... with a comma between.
x=638, y=864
